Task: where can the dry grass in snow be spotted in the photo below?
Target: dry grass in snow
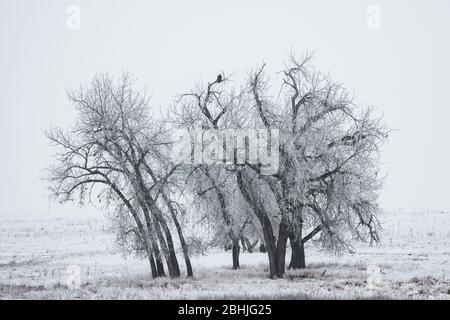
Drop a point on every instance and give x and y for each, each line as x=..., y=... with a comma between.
x=39, y=257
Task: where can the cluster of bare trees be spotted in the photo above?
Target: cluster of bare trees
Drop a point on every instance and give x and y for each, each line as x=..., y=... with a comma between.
x=325, y=188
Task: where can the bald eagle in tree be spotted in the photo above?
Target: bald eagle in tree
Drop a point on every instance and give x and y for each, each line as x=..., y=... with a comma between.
x=219, y=78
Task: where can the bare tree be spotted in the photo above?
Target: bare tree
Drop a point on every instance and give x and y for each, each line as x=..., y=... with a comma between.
x=117, y=145
x=329, y=149
x=213, y=107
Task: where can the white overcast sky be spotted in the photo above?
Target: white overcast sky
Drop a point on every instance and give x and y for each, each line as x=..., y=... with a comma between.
x=403, y=69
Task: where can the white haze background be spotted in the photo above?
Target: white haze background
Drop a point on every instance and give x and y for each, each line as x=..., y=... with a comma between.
x=403, y=69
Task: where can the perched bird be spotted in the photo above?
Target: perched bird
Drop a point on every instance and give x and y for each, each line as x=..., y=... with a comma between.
x=219, y=78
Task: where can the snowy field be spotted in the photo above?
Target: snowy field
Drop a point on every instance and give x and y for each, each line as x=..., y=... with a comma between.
x=40, y=258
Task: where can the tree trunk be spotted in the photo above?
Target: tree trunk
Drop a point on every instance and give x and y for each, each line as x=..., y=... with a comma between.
x=183, y=243
x=264, y=220
x=160, y=268
x=271, y=250
x=153, y=240
x=184, y=247
x=158, y=257
x=281, y=248
x=147, y=234
x=262, y=248
x=160, y=221
x=153, y=214
x=235, y=252
x=173, y=214
x=152, y=265
x=156, y=265
x=297, y=254
x=171, y=248
x=165, y=249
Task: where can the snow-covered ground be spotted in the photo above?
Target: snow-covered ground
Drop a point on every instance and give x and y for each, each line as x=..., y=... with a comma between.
x=77, y=259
